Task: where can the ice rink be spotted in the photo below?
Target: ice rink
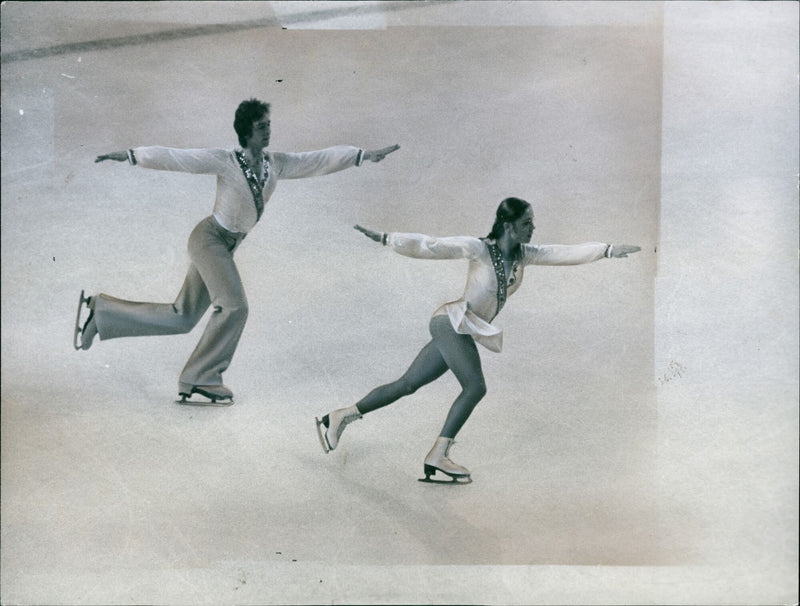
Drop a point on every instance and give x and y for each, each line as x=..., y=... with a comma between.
x=639, y=439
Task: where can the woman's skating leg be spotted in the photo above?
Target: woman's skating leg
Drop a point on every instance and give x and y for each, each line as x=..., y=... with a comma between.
x=426, y=367
x=448, y=349
x=461, y=355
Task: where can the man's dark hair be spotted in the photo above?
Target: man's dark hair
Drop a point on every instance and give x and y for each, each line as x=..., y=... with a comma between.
x=248, y=112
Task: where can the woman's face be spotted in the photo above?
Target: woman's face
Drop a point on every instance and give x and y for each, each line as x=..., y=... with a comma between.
x=521, y=230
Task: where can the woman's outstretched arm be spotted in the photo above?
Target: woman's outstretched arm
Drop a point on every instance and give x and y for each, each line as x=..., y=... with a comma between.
x=620, y=251
x=420, y=246
x=376, y=155
x=575, y=254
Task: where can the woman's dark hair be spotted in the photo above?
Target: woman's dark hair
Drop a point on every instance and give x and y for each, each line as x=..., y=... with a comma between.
x=509, y=211
x=248, y=112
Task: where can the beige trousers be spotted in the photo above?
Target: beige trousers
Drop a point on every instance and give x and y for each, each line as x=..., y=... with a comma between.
x=212, y=280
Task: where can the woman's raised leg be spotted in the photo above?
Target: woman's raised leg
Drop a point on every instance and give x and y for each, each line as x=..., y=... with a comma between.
x=426, y=367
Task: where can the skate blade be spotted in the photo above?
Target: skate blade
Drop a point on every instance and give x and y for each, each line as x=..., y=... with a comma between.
x=78, y=329
x=453, y=480
x=321, y=435
x=217, y=403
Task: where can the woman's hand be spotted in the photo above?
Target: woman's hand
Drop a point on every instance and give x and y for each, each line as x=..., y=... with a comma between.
x=379, y=154
x=373, y=235
x=120, y=156
x=620, y=251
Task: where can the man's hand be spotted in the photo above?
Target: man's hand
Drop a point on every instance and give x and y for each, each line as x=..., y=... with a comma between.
x=377, y=155
x=374, y=235
x=121, y=156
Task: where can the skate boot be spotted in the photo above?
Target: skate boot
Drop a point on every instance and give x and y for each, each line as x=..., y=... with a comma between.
x=89, y=330
x=438, y=460
x=335, y=423
x=219, y=395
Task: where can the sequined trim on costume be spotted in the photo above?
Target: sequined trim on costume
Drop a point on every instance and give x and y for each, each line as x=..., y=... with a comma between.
x=256, y=185
x=500, y=272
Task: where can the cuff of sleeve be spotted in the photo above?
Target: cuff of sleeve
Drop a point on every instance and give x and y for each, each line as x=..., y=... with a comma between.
x=360, y=157
x=131, y=157
x=609, y=249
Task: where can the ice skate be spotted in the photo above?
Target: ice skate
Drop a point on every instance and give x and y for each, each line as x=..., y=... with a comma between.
x=218, y=395
x=438, y=460
x=335, y=423
x=88, y=332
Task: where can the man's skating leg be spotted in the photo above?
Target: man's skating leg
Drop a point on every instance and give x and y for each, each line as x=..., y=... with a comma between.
x=120, y=318
x=211, y=251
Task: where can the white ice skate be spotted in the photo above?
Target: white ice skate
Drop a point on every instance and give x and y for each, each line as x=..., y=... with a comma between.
x=438, y=460
x=335, y=423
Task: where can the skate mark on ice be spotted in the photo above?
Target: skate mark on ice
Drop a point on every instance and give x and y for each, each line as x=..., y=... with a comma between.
x=202, y=30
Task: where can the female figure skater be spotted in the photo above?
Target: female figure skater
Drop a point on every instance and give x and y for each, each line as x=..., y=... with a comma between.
x=246, y=178
x=496, y=267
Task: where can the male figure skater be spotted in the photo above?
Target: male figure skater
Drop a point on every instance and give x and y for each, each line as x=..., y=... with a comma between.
x=246, y=178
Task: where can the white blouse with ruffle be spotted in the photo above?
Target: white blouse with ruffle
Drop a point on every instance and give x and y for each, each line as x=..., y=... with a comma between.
x=473, y=313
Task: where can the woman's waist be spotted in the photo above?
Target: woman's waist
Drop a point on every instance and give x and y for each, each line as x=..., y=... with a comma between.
x=466, y=321
x=485, y=310
x=462, y=311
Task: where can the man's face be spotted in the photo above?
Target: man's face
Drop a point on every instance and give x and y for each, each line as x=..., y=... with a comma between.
x=261, y=131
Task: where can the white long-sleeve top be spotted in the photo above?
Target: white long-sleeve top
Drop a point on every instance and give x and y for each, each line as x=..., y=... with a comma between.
x=234, y=207
x=473, y=313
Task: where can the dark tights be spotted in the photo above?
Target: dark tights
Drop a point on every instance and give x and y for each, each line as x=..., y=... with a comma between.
x=447, y=350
